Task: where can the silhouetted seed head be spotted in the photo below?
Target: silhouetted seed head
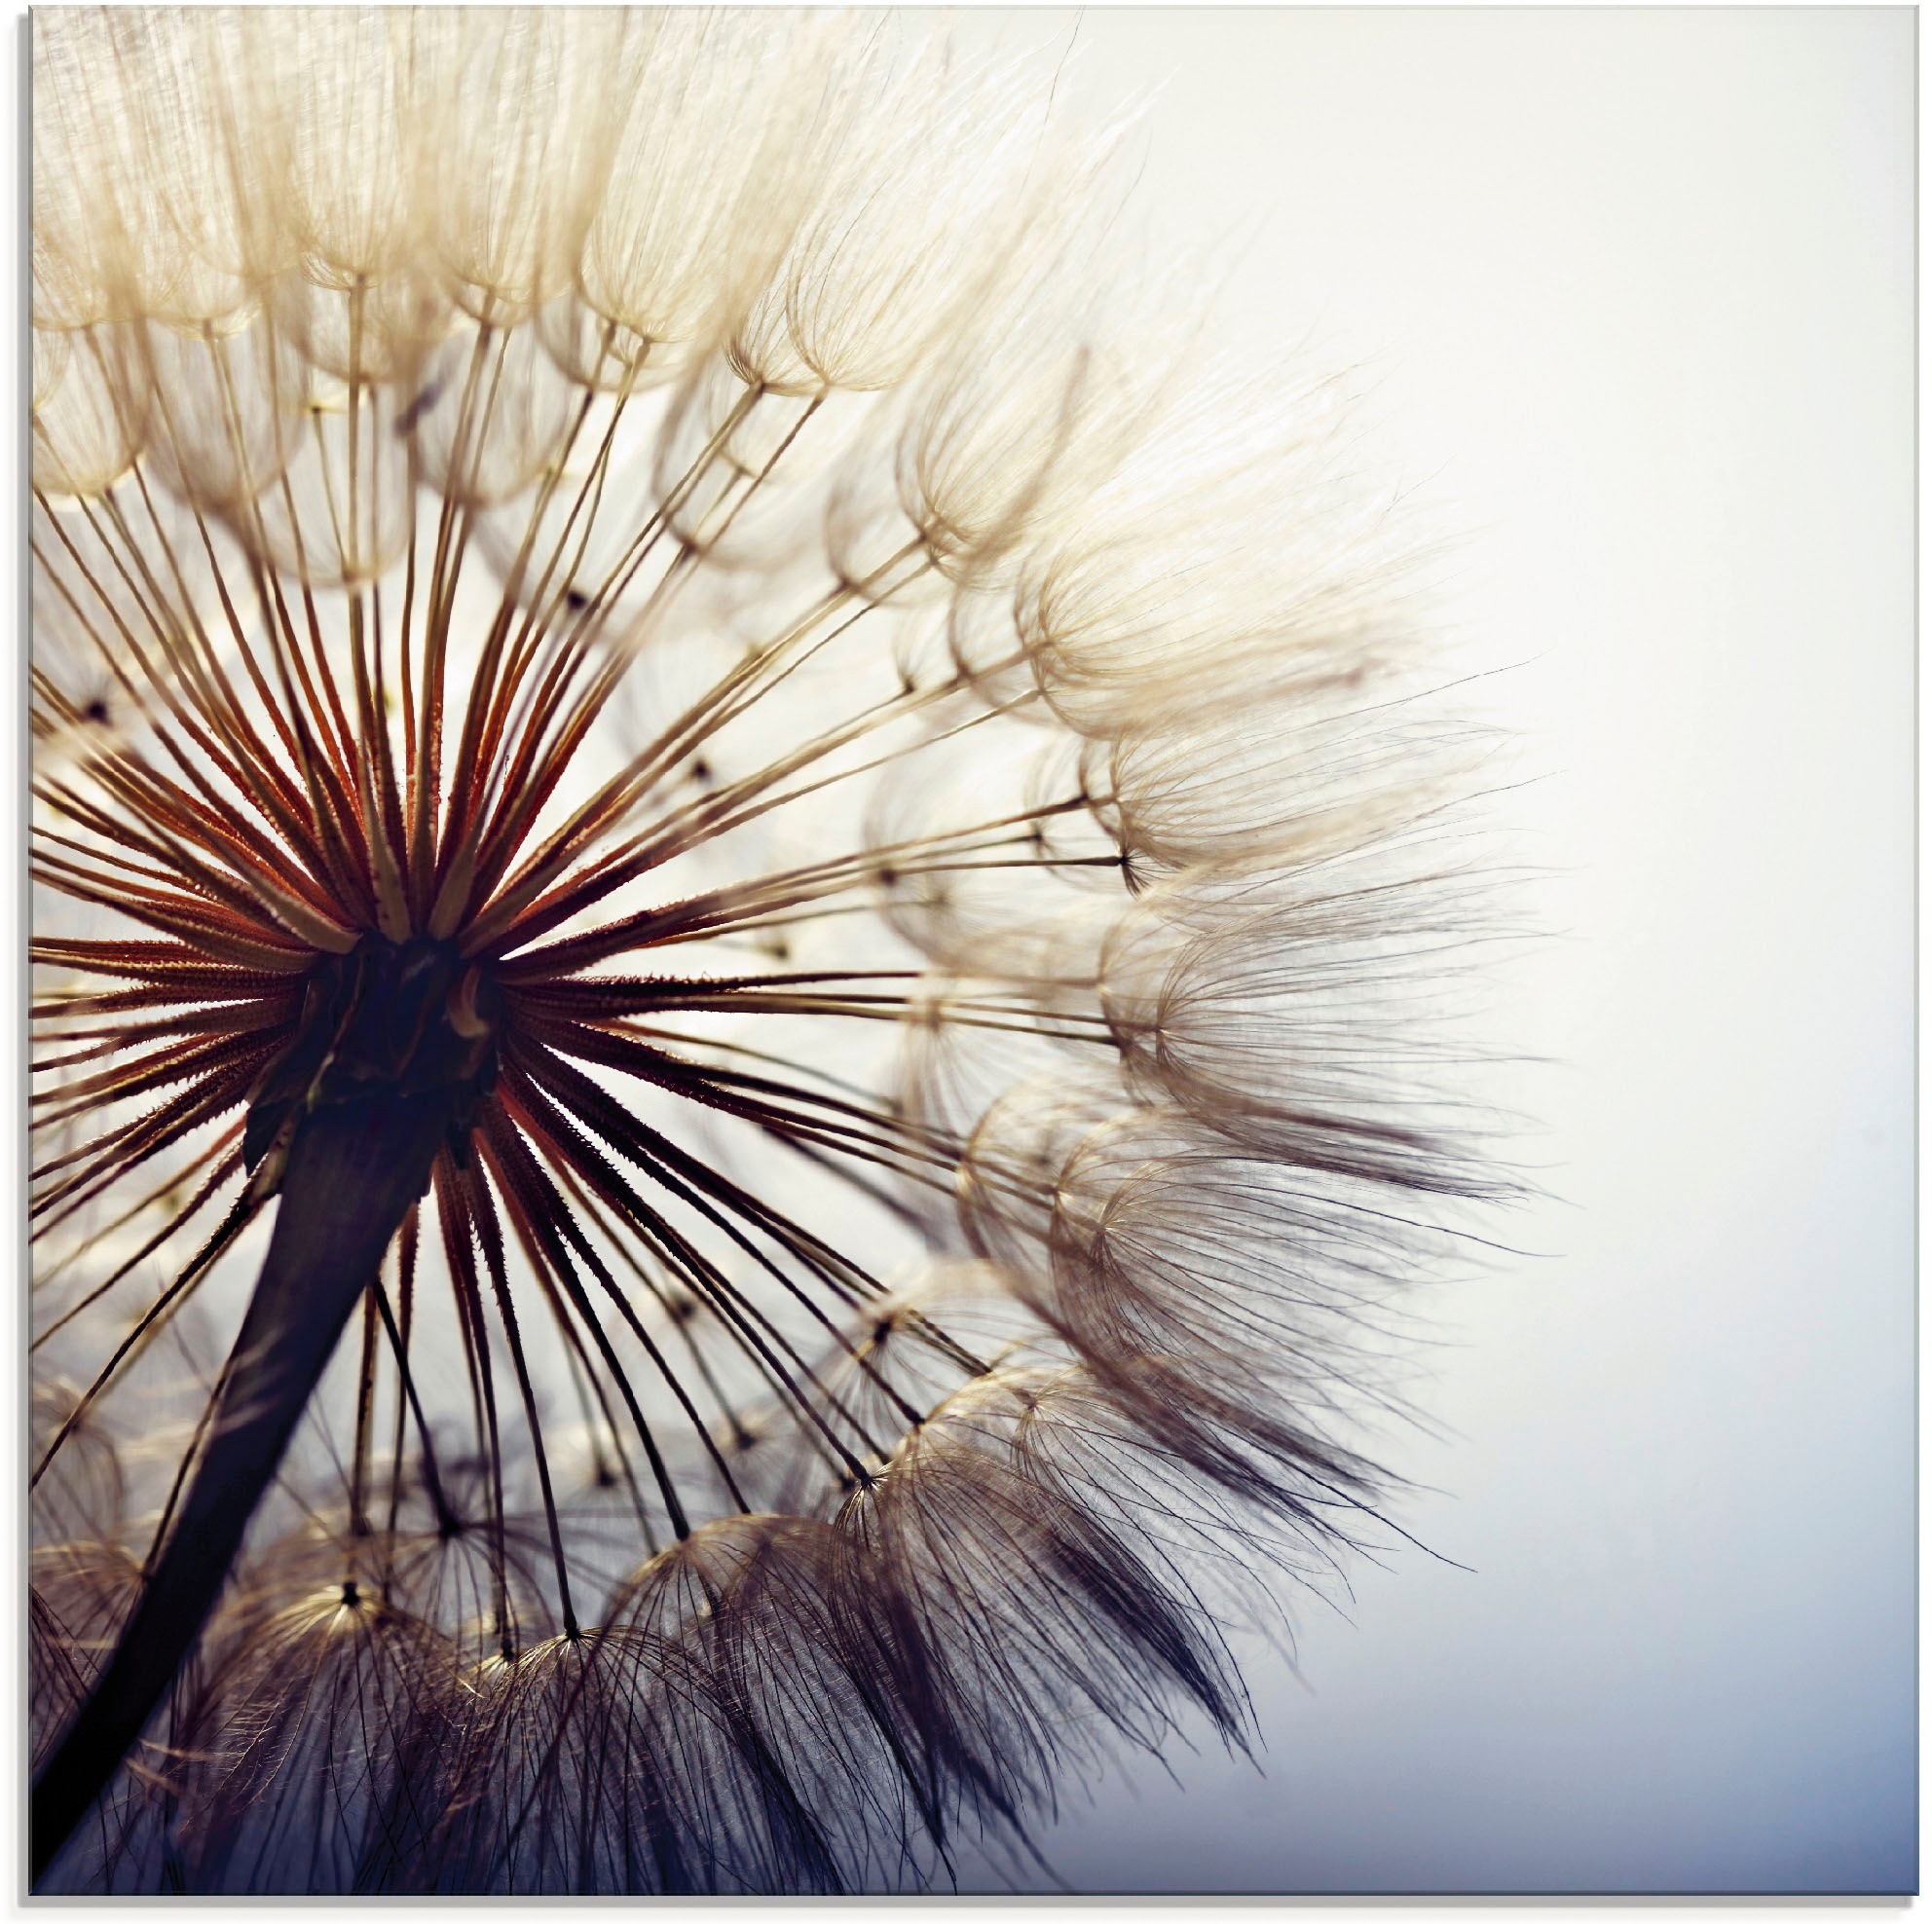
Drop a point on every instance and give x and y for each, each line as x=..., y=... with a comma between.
x=645, y=581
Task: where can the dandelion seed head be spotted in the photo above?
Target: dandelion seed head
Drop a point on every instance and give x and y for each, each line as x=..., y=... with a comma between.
x=742, y=897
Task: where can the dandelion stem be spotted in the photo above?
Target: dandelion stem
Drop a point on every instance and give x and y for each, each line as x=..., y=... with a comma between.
x=353, y=1170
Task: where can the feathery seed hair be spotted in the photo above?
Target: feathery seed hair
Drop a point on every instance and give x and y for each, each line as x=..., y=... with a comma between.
x=740, y=916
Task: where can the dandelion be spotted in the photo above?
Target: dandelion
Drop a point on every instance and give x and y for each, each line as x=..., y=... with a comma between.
x=738, y=923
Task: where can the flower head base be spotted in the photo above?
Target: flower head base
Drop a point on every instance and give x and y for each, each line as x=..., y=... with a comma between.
x=740, y=933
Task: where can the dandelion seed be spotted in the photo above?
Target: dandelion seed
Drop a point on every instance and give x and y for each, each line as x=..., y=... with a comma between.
x=736, y=916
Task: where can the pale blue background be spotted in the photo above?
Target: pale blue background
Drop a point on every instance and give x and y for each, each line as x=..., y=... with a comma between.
x=1634, y=291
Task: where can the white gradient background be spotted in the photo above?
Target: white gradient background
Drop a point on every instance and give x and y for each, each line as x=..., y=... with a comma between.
x=1636, y=290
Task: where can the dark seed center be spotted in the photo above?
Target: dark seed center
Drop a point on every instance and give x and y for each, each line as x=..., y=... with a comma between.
x=386, y=1019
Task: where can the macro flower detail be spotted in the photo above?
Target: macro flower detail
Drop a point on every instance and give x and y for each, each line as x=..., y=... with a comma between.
x=742, y=907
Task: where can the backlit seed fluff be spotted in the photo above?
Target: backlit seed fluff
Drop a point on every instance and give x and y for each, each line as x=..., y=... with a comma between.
x=745, y=927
